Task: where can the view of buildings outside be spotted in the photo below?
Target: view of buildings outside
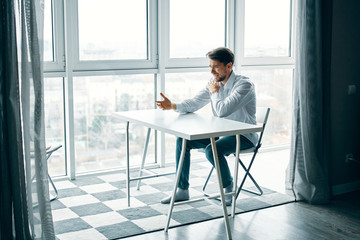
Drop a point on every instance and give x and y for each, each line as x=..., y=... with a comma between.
x=274, y=89
x=54, y=123
x=100, y=138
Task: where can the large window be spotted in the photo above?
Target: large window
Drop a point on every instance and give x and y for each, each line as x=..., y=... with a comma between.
x=196, y=27
x=99, y=137
x=48, y=32
x=120, y=54
x=267, y=28
x=112, y=29
x=54, y=123
x=273, y=89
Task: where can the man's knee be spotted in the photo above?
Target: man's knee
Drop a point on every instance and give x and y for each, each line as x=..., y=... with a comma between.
x=209, y=153
x=178, y=141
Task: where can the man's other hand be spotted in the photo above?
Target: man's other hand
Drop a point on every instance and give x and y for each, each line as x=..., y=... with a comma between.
x=213, y=86
x=165, y=104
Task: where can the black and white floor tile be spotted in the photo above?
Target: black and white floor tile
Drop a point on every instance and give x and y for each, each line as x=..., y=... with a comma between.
x=95, y=206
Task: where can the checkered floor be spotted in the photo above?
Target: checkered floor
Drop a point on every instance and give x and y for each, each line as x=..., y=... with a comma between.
x=95, y=207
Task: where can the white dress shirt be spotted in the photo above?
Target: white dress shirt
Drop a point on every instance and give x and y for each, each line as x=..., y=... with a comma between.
x=236, y=100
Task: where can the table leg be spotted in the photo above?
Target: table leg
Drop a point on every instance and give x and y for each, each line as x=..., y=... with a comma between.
x=143, y=157
x=127, y=164
x=172, y=201
x=236, y=174
x=217, y=167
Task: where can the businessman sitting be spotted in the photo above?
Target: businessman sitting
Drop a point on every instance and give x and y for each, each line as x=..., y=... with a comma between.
x=231, y=96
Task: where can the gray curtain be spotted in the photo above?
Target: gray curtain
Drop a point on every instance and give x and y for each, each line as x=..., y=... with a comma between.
x=13, y=189
x=25, y=201
x=307, y=171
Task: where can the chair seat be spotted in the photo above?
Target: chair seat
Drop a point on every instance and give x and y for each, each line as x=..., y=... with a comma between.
x=248, y=150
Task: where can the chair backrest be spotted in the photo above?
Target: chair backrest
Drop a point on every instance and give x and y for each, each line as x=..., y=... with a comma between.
x=262, y=115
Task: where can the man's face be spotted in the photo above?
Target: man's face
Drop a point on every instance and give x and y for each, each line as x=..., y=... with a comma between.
x=219, y=70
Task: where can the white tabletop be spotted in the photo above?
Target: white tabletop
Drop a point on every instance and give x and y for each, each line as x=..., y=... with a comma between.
x=191, y=126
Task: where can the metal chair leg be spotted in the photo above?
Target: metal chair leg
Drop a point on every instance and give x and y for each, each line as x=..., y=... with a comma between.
x=206, y=182
x=48, y=155
x=53, y=185
x=252, y=179
x=242, y=183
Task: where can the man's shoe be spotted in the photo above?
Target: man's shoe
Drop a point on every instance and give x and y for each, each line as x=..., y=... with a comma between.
x=181, y=195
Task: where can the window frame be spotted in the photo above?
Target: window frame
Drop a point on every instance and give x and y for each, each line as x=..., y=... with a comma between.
x=58, y=65
x=260, y=61
x=92, y=65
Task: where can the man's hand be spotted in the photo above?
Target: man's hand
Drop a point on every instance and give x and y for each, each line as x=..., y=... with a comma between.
x=165, y=104
x=213, y=86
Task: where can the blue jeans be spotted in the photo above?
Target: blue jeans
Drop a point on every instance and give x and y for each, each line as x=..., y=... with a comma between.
x=224, y=145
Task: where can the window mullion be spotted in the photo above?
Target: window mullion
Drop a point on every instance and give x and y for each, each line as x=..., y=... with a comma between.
x=71, y=50
x=230, y=24
x=239, y=33
x=163, y=56
x=152, y=32
x=57, y=37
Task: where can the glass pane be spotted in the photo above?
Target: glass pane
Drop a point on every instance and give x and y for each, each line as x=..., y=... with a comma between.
x=100, y=138
x=190, y=84
x=48, y=30
x=54, y=124
x=196, y=27
x=274, y=90
x=112, y=29
x=267, y=28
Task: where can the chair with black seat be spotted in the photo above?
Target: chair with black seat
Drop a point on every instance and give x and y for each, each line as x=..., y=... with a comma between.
x=262, y=115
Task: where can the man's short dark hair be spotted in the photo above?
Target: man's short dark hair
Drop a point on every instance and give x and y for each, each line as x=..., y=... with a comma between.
x=221, y=54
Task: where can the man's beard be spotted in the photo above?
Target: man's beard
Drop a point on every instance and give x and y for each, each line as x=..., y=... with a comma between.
x=222, y=78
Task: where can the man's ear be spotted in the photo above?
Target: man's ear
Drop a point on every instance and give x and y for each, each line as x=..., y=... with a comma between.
x=229, y=65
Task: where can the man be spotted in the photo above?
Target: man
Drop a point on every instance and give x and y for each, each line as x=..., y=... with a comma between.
x=231, y=96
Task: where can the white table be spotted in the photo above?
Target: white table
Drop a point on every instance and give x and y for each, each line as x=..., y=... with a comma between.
x=189, y=126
